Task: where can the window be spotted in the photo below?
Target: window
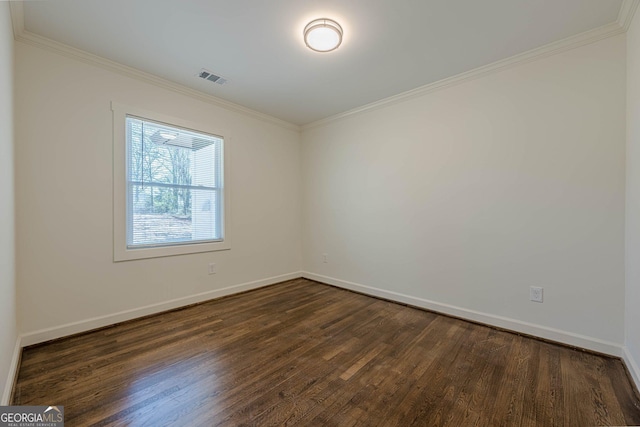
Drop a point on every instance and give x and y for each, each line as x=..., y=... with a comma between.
x=173, y=185
x=169, y=192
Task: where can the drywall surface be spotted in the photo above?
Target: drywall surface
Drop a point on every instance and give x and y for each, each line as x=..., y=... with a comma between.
x=632, y=265
x=65, y=267
x=8, y=332
x=467, y=196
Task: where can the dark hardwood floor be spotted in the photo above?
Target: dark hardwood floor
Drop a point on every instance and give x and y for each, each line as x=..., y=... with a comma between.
x=303, y=353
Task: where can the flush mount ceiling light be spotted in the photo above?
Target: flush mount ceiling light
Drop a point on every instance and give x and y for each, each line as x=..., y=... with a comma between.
x=323, y=35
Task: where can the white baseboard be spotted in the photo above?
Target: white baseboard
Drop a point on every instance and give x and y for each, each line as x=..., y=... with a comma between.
x=13, y=372
x=569, y=338
x=544, y=332
x=632, y=366
x=43, y=335
x=553, y=334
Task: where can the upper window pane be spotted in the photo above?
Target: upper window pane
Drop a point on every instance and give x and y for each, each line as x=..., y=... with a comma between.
x=174, y=185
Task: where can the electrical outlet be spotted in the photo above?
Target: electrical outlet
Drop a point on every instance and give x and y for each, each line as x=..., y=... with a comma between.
x=535, y=293
x=212, y=268
x=325, y=258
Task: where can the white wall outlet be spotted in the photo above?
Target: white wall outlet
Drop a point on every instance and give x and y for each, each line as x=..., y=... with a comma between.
x=535, y=293
x=325, y=258
x=212, y=268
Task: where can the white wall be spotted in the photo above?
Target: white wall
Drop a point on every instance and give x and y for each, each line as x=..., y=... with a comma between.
x=457, y=200
x=65, y=268
x=8, y=332
x=632, y=321
x=461, y=199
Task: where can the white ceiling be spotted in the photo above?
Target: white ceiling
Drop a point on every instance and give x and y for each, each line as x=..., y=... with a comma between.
x=390, y=46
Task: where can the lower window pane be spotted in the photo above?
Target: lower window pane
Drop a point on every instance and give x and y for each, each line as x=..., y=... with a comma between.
x=162, y=216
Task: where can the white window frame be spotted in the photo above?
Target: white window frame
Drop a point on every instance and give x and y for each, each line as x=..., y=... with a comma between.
x=120, y=250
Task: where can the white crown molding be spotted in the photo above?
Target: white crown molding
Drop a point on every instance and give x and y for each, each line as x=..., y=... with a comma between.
x=591, y=36
x=17, y=18
x=24, y=36
x=626, y=13
x=625, y=16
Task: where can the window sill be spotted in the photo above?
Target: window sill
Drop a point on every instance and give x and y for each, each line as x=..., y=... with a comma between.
x=164, y=251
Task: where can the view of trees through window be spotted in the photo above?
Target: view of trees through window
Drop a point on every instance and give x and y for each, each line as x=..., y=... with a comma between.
x=173, y=185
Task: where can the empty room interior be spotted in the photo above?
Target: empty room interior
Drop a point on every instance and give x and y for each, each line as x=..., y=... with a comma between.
x=304, y=212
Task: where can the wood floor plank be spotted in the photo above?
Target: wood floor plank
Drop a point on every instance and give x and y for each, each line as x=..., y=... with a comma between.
x=304, y=353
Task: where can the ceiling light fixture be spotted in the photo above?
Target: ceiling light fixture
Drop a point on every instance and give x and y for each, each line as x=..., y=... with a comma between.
x=323, y=35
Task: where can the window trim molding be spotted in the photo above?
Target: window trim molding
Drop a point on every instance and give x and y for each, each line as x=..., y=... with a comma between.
x=120, y=250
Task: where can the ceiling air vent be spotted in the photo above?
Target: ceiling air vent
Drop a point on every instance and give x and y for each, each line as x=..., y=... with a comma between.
x=208, y=75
